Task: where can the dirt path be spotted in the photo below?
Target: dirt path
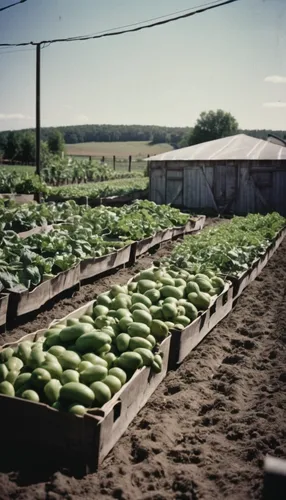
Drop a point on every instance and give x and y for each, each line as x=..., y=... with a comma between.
x=205, y=431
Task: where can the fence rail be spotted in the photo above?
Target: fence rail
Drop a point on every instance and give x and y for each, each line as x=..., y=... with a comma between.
x=117, y=163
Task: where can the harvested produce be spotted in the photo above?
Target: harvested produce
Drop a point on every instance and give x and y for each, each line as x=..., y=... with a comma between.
x=82, y=362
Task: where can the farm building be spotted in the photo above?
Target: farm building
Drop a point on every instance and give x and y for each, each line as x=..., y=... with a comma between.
x=237, y=174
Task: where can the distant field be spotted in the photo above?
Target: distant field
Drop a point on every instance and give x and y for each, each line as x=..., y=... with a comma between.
x=138, y=150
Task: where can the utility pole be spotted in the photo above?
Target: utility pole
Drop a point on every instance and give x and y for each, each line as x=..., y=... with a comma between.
x=38, y=108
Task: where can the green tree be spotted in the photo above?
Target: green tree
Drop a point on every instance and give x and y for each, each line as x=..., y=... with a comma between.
x=213, y=125
x=56, y=142
x=12, y=147
x=28, y=148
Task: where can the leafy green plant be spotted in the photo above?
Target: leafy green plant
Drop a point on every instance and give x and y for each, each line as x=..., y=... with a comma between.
x=229, y=248
x=102, y=189
x=80, y=233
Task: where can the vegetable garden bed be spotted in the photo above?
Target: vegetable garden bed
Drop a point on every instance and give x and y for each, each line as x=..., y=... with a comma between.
x=24, y=302
x=244, y=279
x=107, y=201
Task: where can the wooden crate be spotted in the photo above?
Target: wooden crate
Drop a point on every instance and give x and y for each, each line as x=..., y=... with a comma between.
x=4, y=300
x=184, y=341
x=192, y=226
x=95, y=266
x=21, y=303
x=57, y=439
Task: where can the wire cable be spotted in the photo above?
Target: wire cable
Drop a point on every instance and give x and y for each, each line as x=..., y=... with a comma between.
x=153, y=18
x=12, y=5
x=122, y=32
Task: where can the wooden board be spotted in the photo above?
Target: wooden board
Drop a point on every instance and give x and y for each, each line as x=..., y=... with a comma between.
x=184, y=341
x=192, y=226
x=29, y=301
x=4, y=299
x=95, y=266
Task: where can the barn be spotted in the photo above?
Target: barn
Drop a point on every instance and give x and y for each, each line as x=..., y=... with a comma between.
x=237, y=174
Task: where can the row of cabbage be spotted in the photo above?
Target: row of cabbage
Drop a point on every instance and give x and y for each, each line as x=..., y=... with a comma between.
x=79, y=233
x=82, y=362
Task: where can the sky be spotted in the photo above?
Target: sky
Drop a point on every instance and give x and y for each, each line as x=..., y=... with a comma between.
x=233, y=58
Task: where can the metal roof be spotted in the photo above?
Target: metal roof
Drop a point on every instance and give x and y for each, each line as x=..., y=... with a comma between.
x=236, y=147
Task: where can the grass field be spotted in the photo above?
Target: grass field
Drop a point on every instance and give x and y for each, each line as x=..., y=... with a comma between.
x=138, y=150
x=19, y=168
x=122, y=150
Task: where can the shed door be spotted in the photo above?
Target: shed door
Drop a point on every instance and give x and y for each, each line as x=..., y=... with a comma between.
x=174, y=187
x=225, y=185
x=157, y=187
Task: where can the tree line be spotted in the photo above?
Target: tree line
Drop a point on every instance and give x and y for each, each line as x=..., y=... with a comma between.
x=20, y=145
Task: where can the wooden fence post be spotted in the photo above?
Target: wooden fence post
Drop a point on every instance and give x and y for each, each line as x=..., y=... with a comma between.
x=114, y=160
x=129, y=163
x=103, y=159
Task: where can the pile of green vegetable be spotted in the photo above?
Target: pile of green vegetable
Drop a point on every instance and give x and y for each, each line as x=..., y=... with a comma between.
x=228, y=248
x=82, y=363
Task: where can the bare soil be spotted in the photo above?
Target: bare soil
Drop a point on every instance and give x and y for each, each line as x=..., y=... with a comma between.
x=207, y=428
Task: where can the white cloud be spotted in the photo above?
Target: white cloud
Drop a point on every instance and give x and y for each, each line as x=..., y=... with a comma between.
x=82, y=118
x=275, y=79
x=277, y=104
x=14, y=116
x=67, y=106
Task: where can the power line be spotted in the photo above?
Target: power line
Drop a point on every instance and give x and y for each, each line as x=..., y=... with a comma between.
x=153, y=18
x=12, y=5
x=124, y=31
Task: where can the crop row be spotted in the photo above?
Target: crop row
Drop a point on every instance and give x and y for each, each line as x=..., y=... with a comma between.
x=100, y=190
x=229, y=248
x=59, y=172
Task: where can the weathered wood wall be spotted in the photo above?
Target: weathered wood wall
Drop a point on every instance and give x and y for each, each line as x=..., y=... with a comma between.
x=224, y=186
